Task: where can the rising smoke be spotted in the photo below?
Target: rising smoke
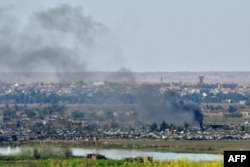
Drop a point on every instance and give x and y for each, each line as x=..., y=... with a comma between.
x=123, y=75
x=60, y=39
x=158, y=107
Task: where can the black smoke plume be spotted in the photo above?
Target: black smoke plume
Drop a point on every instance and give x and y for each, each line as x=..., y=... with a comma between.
x=167, y=106
x=195, y=110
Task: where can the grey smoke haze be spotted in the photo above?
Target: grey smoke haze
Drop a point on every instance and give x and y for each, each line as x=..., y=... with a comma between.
x=155, y=107
x=123, y=75
x=60, y=39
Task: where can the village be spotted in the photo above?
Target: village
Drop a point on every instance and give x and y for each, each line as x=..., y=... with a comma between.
x=94, y=110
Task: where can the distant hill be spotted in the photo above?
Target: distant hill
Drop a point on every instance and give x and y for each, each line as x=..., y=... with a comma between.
x=193, y=77
x=155, y=77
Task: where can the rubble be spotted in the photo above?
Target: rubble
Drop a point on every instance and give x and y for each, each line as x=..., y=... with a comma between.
x=102, y=122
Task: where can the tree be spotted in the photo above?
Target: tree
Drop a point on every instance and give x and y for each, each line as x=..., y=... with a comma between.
x=60, y=108
x=163, y=125
x=186, y=125
x=30, y=113
x=77, y=114
x=9, y=112
x=153, y=127
x=232, y=109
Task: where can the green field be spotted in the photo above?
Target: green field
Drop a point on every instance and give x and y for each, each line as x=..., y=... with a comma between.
x=79, y=162
x=184, y=146
x=49, y=156
x=55, y=153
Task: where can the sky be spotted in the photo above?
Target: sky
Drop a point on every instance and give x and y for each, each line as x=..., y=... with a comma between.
x=138, y=35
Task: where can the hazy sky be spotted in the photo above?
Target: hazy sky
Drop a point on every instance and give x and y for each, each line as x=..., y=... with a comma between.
x=141, y=35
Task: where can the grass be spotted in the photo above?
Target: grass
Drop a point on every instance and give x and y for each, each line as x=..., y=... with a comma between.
x=79, y=162
x=225, y=120
x=52, y=154
x=184, y=146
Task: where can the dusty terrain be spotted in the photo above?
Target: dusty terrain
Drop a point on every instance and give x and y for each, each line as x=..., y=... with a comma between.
x=186, y=77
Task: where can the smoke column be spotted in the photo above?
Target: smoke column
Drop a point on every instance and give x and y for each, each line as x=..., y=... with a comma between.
x=59, y=39
x=123, y=75
x=156, y=107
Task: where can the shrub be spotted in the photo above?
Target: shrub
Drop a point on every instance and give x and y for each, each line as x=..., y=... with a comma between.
x=36, y=153
x=67, y=152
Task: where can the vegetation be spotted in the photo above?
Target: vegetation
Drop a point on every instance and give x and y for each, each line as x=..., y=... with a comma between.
x=188, y=146
x=59, y=148
x=50, y=156
x=232, y=109
x=77, y=96
x=77, y=114
x=216, y=98
x=79, y=162
x=11, y=110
